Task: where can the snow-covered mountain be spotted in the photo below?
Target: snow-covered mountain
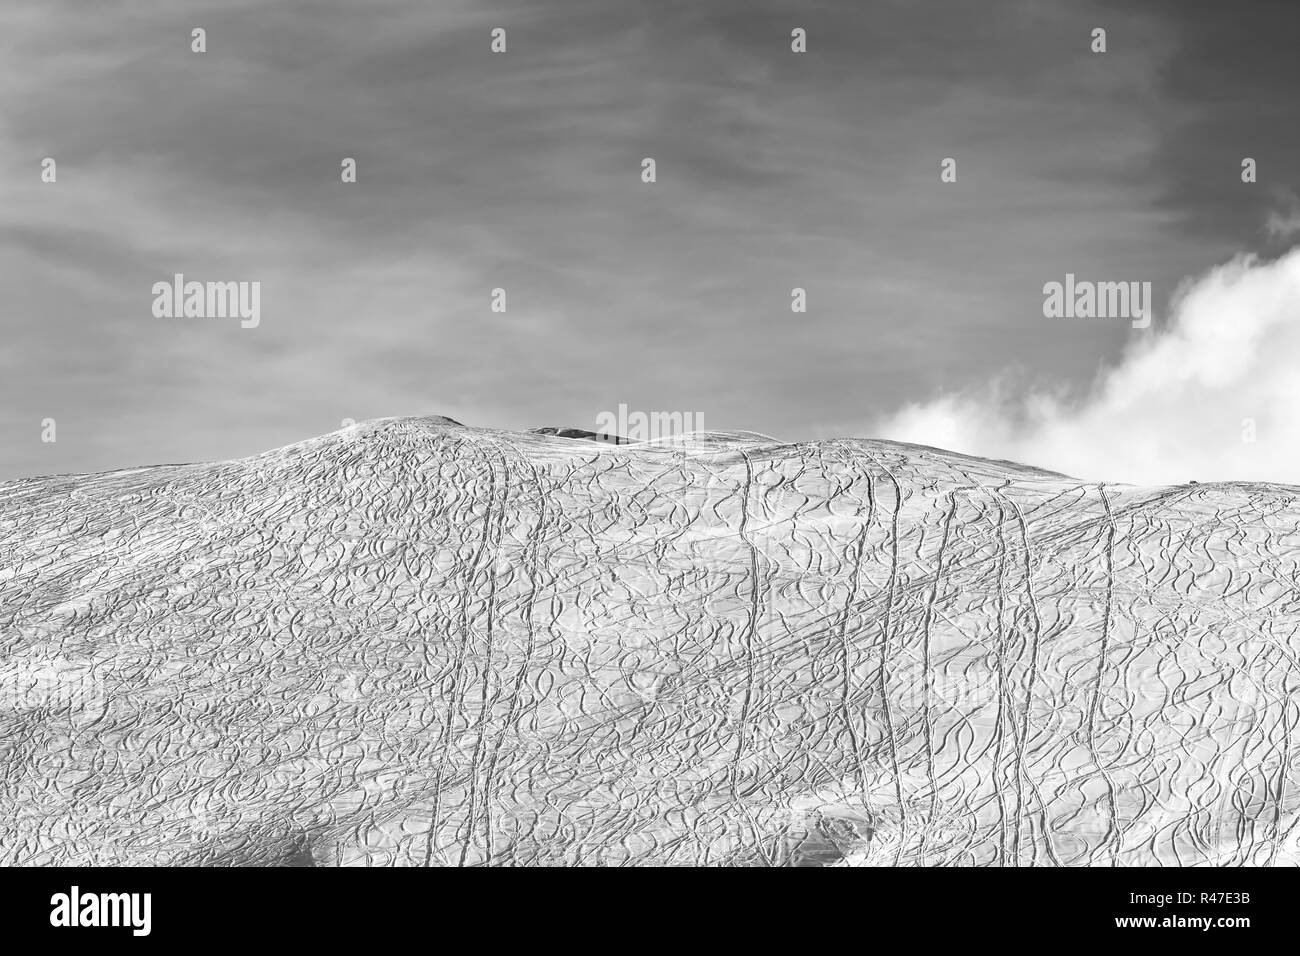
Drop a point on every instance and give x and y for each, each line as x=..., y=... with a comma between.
x=415, y=642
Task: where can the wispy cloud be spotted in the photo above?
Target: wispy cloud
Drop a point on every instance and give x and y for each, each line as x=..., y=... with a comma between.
x=1284, y=223
x=521, y=171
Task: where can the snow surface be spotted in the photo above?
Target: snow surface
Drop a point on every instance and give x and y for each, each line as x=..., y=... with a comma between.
x=415, y=642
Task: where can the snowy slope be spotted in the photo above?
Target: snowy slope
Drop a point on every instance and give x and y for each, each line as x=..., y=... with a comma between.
x=413, y=642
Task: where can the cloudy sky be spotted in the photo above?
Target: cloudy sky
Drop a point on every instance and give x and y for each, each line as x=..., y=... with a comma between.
x=775, y=170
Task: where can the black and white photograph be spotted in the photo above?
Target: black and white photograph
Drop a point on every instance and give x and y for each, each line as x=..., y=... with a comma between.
x=594, y=434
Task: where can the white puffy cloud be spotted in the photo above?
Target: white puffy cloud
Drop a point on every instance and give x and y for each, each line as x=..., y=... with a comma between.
x=1183, y=402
